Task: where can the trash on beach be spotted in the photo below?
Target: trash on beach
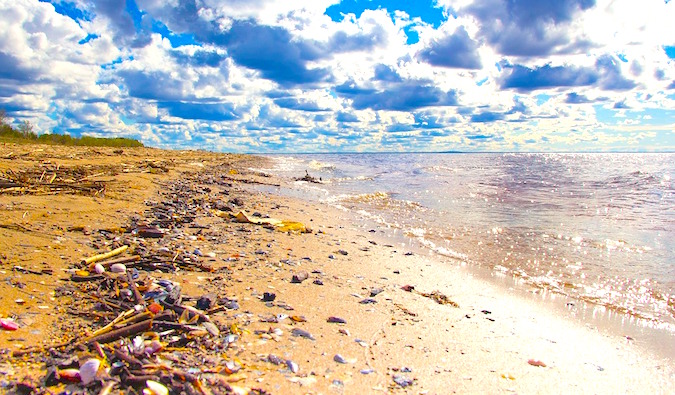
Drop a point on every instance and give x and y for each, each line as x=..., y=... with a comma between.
x=282, y=226
x=8, y=324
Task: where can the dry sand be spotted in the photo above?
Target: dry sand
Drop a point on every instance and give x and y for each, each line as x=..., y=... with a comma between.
x=486, y=339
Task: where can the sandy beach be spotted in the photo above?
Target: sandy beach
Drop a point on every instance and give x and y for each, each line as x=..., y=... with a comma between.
x=321, y=306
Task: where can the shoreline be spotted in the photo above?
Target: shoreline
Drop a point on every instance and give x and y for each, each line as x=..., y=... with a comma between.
x=494, y=341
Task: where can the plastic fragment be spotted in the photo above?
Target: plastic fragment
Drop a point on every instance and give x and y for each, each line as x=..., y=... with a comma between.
x=8, y=324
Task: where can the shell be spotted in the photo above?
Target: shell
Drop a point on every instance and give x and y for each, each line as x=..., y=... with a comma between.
x=118, y=268
x=89, y=370
x=292, y=366
x=155, y=388
x=339, y=358
x=153, y=347
x=99, y=269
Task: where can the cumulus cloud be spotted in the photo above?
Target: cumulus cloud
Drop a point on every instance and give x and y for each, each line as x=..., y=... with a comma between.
x=457, y=50
x=325, y=75
x=529, y=27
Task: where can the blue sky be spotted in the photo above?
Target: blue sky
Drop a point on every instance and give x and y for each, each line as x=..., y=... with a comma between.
x=338, y=76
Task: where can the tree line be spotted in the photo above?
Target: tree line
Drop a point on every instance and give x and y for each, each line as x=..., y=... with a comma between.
x=24, y=133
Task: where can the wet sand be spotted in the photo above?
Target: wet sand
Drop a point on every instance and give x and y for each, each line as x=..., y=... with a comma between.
x=483, y=339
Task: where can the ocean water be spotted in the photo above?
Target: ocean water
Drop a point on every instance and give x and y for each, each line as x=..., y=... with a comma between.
x=594, y=227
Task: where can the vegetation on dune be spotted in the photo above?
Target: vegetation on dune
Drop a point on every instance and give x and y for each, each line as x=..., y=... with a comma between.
x=24, y=134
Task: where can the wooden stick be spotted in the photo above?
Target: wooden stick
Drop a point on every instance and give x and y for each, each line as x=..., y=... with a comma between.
x=106, y=255
x=122, y=332
x=134, y=289
x=107, y=264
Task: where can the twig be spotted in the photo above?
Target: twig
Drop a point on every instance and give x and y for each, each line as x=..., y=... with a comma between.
x=106, y=255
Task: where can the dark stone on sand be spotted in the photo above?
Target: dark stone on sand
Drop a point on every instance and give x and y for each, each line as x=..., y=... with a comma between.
x=269, y=297
x=236, y=202
x=299, y=277
x=206, y=302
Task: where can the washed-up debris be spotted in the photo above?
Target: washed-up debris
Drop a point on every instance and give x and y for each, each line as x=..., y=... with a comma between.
x=536, y=362
x=368, y=301
x=282, y=226
x=299, y=277
x=439, y=298
x=408, y=288
x=206, y=302
x=308, y=178
x=269, y=297
x=50, y=179
x=271, y=358
x=302, y=333
x=376, y=291
x=339, y=359
x=8, y=325
x=336, y=320
x=292, y=366
x=403, y=381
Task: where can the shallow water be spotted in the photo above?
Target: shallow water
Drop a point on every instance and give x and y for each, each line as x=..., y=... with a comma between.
x=594, y=227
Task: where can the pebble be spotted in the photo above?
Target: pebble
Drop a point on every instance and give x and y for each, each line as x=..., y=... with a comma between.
x=99, y=269
x=368, y=301
x=336, y=320
x=299, y=277
x=274, y=359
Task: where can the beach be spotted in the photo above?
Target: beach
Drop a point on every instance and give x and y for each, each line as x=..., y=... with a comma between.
x=322, y=306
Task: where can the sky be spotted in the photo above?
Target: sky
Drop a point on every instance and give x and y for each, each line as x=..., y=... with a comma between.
x=279, y=76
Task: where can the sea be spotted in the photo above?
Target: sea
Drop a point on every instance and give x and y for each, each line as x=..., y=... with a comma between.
x=597, y=229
